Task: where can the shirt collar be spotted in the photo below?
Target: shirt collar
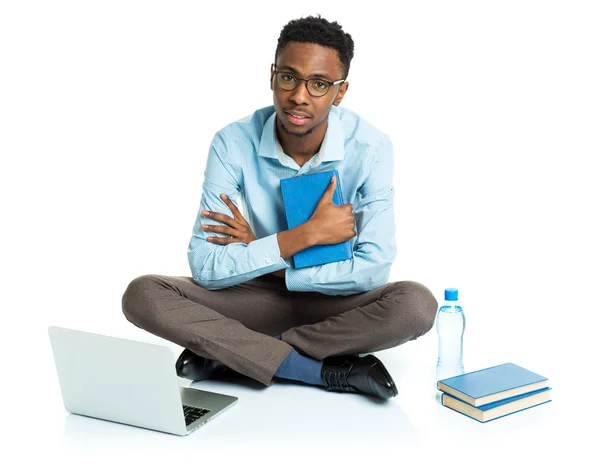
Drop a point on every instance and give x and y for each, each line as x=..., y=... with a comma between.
x=331, y=149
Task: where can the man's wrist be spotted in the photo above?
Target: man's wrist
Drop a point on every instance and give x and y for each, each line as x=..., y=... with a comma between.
x=297, y=239
x=310, y=233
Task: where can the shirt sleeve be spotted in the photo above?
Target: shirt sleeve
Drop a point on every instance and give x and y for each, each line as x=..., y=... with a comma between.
x=375, y=244
x=216, y=266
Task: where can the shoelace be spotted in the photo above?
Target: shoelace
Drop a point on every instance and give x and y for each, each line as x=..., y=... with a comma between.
x=337, y=381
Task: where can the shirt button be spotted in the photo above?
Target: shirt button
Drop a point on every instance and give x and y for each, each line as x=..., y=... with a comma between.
x=267, y=260
x=231, y=271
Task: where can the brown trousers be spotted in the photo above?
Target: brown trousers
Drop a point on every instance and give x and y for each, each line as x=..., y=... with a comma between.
x=237, y=325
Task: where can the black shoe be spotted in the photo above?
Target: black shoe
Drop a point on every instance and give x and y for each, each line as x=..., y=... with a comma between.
x=193, y=367
x=359, y=375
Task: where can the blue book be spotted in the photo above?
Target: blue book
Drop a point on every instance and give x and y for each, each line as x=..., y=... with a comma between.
x=492, y=384
x=301, y=194
x=499, y=408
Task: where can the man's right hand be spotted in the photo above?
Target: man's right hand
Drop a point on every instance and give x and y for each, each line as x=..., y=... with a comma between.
x=332, y=224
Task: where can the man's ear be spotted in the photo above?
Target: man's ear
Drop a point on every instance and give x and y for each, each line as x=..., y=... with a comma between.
x=340, y=96
x=271, y=79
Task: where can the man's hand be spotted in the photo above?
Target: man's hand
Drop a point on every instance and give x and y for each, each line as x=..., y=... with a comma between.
x=238, y=229
x=330, y=223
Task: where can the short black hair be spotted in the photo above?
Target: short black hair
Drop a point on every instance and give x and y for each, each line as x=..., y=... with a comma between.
x=319, y=31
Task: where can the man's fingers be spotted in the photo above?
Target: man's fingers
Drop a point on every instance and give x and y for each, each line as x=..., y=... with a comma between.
x=328, y=194
x=221, y=240
x=219, y=229
x=234, y=210
x=222, y=218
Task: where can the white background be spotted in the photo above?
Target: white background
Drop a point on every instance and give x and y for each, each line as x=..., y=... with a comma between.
x=107, y=110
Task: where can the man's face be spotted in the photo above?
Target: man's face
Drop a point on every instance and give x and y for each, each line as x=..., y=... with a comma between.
x=306, y=61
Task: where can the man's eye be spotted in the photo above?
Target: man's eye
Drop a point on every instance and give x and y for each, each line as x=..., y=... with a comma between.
x=320, y=84
x=288, y=78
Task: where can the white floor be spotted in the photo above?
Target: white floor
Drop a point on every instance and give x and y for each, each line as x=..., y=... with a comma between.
x=110, y=108
x=289, y=425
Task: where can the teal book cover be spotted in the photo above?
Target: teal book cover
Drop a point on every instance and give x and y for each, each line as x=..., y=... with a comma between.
x=492, y=384
x=499, y=408
x=301, y=194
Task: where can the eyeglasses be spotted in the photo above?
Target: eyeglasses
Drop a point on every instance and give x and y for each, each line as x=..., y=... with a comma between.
x=316, y=87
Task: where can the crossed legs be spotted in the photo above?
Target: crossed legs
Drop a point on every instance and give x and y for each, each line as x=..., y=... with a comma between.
x=238, y=325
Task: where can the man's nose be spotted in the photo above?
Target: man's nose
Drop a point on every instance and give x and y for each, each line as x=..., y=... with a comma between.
x=300, y=95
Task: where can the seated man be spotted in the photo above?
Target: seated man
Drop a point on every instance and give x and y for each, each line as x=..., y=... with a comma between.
x=245, y=306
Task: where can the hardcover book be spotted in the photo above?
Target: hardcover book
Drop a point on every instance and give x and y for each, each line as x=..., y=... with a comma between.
x=499, y=408
x=301, y=194
x=492, y=384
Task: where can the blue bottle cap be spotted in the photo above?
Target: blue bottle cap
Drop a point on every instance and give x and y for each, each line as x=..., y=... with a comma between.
x=451, y=294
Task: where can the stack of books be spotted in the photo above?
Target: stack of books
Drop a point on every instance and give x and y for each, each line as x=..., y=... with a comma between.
x=495, y=392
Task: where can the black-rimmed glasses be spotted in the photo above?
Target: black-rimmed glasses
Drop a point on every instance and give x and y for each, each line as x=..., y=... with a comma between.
x=316, y=87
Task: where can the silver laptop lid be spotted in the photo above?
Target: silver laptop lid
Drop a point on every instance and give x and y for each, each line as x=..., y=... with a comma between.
x=118, y=380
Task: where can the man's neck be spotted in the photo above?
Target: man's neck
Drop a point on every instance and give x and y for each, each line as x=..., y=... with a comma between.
x=301, y=149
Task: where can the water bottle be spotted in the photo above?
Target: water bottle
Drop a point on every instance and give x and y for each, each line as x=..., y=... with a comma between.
x=450, y=325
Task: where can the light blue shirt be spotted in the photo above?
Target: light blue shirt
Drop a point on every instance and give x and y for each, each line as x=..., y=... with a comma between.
x=246, y=162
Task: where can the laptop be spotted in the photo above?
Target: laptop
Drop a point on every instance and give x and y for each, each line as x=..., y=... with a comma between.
x=129, y=382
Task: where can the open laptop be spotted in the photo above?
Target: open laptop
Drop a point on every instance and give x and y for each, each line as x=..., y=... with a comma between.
x=129, y=382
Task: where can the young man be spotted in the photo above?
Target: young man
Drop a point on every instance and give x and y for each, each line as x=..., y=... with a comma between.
x=245, y=306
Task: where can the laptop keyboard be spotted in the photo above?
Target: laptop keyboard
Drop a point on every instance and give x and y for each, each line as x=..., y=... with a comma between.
x=192, y=413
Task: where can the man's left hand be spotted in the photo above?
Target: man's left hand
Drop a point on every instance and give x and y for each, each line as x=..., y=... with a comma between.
x=237, y=228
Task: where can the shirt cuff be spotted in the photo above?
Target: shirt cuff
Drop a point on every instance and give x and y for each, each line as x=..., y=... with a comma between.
x=265, y=253
x=298, y=280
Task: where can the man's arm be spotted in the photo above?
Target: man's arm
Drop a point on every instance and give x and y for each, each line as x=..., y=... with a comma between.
x=215, y=266
x=375, y=246
x=329, y=224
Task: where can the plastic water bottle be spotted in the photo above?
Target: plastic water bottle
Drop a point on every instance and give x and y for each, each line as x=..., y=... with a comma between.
x=450, y=325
